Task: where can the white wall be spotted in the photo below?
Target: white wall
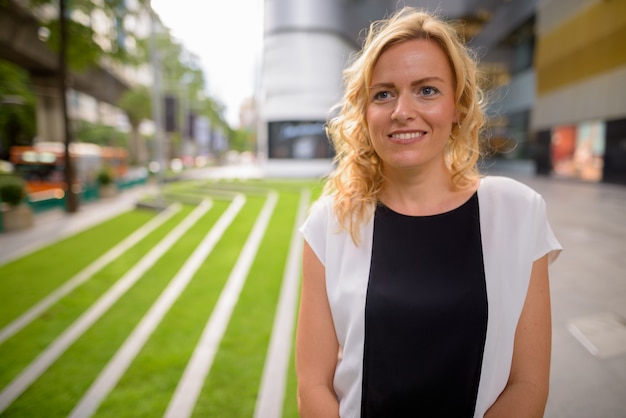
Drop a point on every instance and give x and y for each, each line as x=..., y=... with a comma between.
x=302, y=75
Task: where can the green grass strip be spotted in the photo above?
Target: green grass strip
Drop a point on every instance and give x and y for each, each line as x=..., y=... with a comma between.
x=145, y=390
x=151, y=380
x=57, y=391
x=23, y=347
x=233, y=383
x=290, y=405
x=27, y=280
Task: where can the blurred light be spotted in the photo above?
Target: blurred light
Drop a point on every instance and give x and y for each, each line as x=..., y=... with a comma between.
x=154, y=166
x=201, y=161
x=12, y=99
x=43, y=33
x=6, y=167
x=47, y=157
x=29, y=156
x=176, y=165
x=141, y=172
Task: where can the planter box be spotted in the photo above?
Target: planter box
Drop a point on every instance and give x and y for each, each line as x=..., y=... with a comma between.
x=108, y=190
x=15, y=218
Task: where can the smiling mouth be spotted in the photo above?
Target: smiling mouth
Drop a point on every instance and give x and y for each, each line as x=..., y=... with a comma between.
x=406, y=136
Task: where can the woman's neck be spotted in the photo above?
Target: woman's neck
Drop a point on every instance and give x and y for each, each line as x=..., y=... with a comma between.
x=422, y=194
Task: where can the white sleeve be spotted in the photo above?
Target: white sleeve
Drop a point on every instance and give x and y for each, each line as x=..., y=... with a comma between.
x=514, y=232
x=314, y=229
x=546, y=242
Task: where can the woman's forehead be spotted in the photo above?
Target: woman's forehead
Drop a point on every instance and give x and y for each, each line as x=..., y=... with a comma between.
x=417, y=56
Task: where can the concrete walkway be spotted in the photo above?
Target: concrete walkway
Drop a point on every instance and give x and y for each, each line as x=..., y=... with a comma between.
x=588, y=284
x=54, y=225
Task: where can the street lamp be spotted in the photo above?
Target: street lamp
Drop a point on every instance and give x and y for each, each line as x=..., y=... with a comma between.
x=156, y=106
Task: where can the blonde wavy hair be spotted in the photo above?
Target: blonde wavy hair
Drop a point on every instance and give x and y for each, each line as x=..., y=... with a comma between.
x=357, y=179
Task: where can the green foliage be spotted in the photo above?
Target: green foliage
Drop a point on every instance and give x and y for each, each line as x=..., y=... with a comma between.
x=81, y=51
x=182, y=77
x=214, y=110
x=104, y=177
x=241, y=140
x=97, y=133
x=85, y=47
x=137, y=104
x=12, y=189
x=17, y=108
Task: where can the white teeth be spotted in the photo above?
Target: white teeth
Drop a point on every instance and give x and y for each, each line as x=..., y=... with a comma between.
x=407, y=135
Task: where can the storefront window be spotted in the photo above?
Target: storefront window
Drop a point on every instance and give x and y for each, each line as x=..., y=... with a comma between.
x=578, y=150
x=298, y=140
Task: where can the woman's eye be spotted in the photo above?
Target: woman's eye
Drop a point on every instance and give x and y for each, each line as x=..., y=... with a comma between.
x=429, y=91
x=382, y=95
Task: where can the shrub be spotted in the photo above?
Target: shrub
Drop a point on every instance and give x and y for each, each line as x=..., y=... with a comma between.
x=12, y=190
x=105, y=177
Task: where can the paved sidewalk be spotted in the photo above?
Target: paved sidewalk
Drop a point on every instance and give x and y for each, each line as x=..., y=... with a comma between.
x=588, y=285
x=53, y=225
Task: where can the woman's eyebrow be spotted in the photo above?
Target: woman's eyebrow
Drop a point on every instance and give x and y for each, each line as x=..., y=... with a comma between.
x=386, y=85
x=427, y=80
x=382, y=86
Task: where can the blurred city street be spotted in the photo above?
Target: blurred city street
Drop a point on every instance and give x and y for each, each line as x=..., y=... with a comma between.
x=588, y=282
x=122, y=103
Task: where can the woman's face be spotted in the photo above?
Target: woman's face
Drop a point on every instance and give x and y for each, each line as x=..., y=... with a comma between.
x=410, y=110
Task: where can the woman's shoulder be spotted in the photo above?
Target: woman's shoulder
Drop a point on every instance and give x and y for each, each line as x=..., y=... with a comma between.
x=322, y=204
x=320, y=211
x=506, y=187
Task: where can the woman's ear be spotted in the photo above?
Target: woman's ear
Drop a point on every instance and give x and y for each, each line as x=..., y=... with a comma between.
x=457, y=117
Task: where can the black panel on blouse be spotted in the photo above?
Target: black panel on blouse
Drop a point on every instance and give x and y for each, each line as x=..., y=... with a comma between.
x=425, y=315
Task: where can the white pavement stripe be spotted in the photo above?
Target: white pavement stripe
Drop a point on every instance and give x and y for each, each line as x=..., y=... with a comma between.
x=88, y=272
x=116, y=367
x=188, y=389
x=269, y=403
x=58, y=347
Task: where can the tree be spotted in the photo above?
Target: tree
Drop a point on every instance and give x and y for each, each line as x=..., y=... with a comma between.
x=79, y=46
x=182, y=77
x=17, y=109
x=86, y=47
x=138, y=107
x=100, y=134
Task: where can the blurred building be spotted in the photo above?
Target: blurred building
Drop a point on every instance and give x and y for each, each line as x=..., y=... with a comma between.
x=307, y=44
x=550, y=65
x=93, y=92
x=93, y=108
x=579, y=116
x=247, y=114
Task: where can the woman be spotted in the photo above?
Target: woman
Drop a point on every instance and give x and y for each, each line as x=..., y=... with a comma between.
x=425, y=287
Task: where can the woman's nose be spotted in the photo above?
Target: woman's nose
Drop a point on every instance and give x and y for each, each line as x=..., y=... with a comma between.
x=404, y=109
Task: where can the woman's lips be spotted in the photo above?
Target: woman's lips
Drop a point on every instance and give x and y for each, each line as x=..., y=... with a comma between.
x=406, y=137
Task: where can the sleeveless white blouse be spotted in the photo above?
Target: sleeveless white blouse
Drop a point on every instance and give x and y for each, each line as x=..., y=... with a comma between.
x=514, y=233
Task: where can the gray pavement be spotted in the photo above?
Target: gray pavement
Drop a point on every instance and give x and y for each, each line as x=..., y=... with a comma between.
x=588, y=284
x=56, y=224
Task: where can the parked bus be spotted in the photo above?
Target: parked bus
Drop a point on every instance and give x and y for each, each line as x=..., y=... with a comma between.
x=42, y=166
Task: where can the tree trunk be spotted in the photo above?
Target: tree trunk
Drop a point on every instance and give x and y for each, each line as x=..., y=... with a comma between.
x=137, y=146
x=71, y=198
